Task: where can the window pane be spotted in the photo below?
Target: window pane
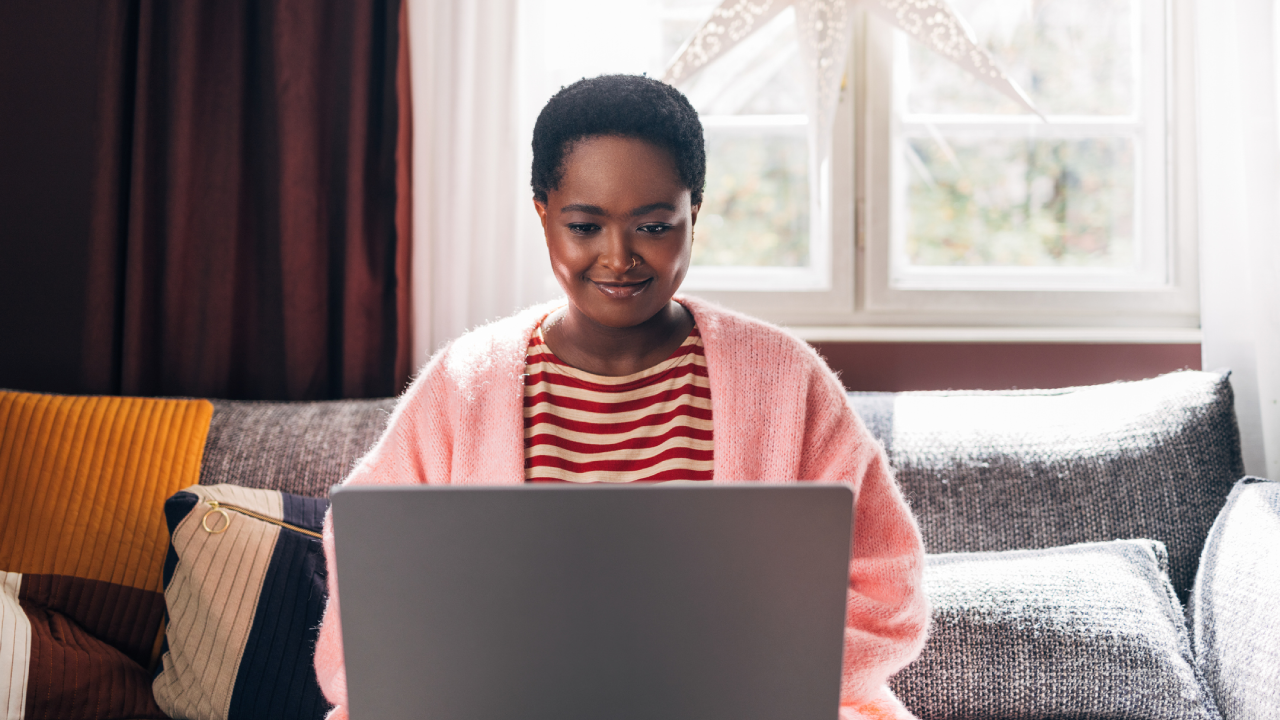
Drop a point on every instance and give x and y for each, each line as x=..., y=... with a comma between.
x=1021, y=202
x=987, y=190
x=755, y=211
x=761, y=75
x=1072, y=57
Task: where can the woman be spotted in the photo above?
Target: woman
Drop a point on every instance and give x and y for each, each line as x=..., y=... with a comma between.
x=625, y=382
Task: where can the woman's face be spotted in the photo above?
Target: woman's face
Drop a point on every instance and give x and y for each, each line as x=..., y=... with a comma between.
x=619, y=229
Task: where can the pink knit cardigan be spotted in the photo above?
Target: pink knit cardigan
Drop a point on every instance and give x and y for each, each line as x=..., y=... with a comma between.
x=780, y=415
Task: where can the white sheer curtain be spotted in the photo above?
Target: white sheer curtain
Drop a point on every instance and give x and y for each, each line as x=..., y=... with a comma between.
x=465, y=167
x=1239, y=207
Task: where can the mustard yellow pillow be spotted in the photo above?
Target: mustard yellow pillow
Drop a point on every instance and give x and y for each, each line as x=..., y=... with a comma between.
x=83, y=482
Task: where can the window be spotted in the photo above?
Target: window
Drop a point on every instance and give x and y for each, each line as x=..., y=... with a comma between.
x=757, y=228
x=978, y=212
x=989, y=196
x=944, y=203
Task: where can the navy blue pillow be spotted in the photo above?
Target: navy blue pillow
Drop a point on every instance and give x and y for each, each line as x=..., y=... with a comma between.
x=244, y=585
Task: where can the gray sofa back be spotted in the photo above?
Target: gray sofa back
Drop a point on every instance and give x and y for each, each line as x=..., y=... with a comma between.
x=303, y=448
x=1040, y=468
x=982, y=470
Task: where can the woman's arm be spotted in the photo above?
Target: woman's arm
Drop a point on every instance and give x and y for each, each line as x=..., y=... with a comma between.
x=887, y=613
x=413, y=449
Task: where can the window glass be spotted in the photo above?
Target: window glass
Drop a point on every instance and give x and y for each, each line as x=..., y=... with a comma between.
x=977, y=201
x=985, y=185
x=1072, y=57
x=755, y=210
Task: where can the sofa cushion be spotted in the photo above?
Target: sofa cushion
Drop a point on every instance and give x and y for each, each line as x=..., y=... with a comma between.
x=1084, y=631
x=302, y=448
x=245, y=589
x=1235, y=618
x=1041, y=468
x=82, y=542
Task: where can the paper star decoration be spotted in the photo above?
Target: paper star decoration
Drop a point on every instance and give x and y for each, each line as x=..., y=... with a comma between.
x=823, y=27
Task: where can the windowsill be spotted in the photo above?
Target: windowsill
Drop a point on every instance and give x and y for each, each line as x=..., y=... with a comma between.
x=1082, y=335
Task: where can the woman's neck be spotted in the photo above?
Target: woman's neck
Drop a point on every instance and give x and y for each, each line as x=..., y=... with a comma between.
x=613, y=352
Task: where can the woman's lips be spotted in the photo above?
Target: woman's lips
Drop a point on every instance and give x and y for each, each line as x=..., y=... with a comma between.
x=622, y=290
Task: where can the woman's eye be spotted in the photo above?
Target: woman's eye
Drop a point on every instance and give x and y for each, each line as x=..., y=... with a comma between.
x=654, y=228
x=583, y=228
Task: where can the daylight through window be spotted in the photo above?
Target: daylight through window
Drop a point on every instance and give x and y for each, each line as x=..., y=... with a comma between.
x=987, y=196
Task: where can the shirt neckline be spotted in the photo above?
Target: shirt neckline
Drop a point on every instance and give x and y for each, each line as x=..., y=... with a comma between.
x=561, y=366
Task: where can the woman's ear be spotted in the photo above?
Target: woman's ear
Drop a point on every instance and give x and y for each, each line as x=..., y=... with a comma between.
x=541, y=208
x=693, y=214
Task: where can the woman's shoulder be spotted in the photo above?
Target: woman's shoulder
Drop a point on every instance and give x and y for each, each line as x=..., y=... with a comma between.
x=736, y=334
x=483, y=354
x=746, y=356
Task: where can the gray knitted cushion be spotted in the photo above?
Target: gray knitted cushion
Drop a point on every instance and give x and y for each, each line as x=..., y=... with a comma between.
x=1041, y=468
x=302, y=448
x=1084, y=631
x=1235, y=608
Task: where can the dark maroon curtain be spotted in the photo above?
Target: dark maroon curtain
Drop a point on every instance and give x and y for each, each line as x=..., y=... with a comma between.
x=245, y=219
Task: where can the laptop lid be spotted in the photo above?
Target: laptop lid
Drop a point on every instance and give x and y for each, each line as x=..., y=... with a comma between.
x=588, y=602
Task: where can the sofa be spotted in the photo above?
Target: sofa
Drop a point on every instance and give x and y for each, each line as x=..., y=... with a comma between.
x=1094, y=552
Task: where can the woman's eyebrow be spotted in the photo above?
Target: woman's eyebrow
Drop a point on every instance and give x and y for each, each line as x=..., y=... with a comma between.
x=646, y=209
x=597, y=210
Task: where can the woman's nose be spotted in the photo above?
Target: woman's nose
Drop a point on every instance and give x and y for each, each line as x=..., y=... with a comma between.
x=617, y=254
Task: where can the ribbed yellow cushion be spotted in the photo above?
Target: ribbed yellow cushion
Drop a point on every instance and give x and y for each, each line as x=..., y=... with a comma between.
x=83, y=482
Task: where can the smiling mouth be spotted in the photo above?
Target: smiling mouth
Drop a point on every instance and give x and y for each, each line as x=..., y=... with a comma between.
x=622, y=290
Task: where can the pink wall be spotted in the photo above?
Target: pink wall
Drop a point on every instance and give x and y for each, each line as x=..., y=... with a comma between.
x=898, y=366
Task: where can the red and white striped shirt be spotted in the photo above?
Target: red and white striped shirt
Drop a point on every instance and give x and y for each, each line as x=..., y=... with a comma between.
x=651, y=426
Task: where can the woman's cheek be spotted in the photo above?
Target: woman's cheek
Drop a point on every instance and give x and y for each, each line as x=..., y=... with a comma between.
x=568, y=257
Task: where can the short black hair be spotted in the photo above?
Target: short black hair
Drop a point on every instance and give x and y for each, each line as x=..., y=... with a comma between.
x=620, y=105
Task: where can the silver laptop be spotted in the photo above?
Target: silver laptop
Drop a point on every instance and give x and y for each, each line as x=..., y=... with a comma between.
x=656, y=602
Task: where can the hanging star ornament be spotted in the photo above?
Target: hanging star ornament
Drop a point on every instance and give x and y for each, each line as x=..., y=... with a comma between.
x=823, y=27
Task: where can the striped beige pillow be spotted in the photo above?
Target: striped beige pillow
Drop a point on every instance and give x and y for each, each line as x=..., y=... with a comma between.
x=244, y=588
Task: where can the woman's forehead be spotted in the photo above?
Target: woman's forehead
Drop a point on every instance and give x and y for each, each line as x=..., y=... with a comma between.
x=620, y=173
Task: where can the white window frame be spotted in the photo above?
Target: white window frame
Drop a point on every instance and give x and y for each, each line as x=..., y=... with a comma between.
x=1173, y=304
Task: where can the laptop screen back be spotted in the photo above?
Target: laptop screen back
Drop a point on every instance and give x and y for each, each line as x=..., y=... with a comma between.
x=568, y=602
